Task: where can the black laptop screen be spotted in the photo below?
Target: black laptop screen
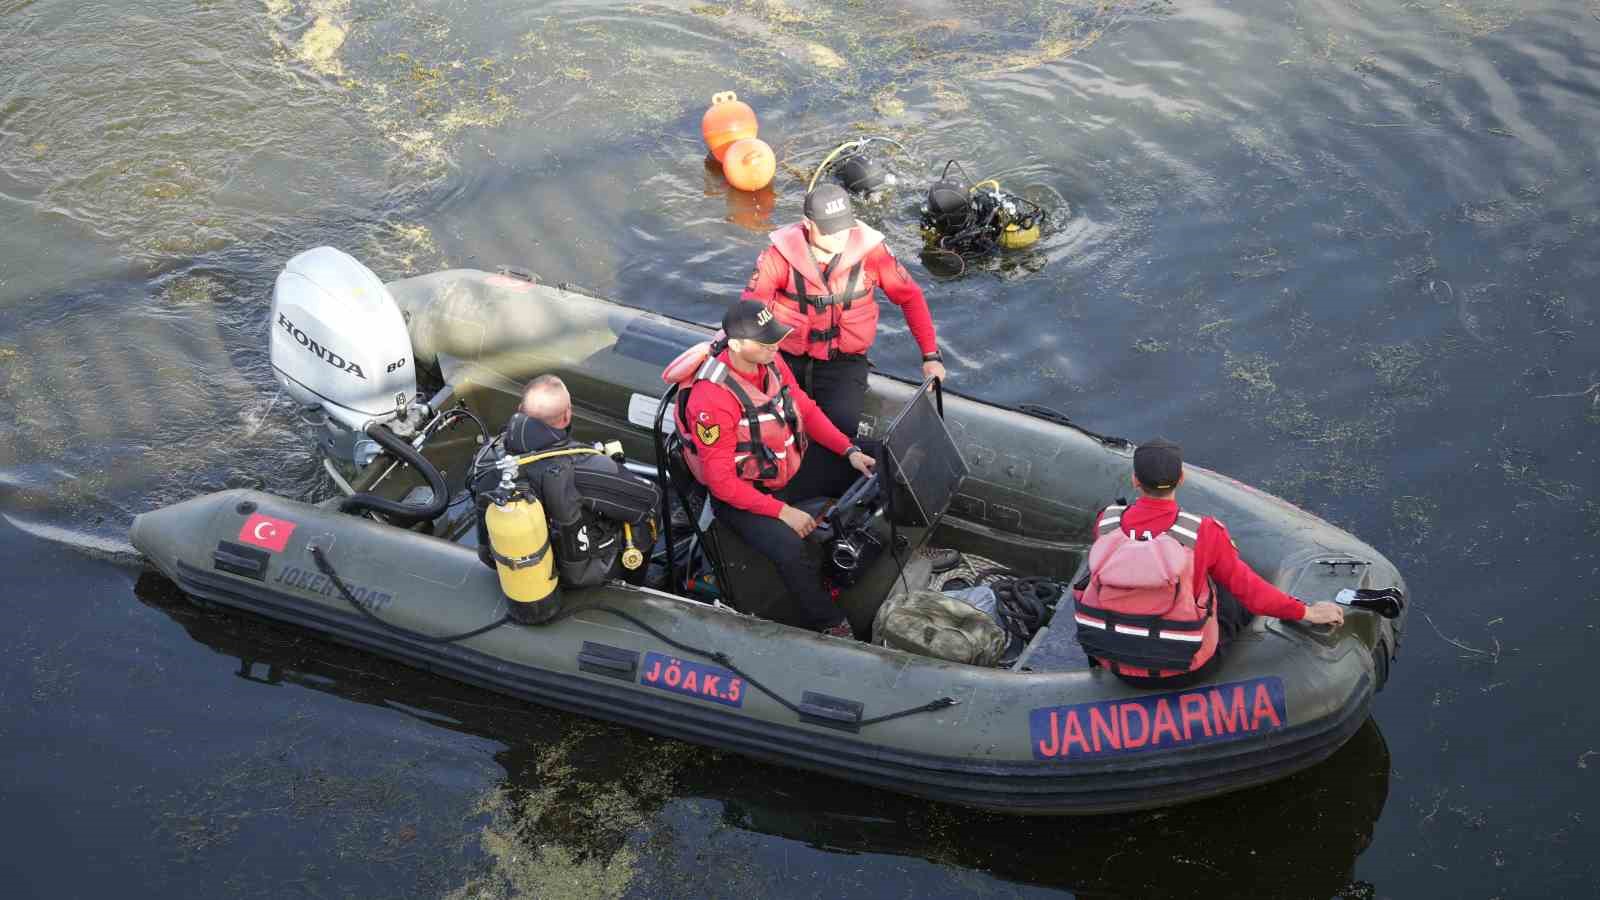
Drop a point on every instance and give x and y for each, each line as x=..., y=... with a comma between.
x=920, y=462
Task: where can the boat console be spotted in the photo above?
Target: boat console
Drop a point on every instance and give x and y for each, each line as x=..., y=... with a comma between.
x=920, y=462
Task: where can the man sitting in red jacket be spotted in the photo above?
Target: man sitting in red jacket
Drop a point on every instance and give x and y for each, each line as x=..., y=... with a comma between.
x=746, y=426
x=1111, y=607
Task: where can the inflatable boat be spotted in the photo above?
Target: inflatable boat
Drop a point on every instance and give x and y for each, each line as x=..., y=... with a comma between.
x=412, y=380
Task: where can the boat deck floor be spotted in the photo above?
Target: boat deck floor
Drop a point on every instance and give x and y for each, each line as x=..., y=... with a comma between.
x=1054, y=648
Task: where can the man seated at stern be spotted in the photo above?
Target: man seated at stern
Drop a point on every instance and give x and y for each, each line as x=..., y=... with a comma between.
x=600, y=515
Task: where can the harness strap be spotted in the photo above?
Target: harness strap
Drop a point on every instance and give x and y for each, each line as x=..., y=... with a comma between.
x=845, y=297
x=766, y=459
x=522, y=562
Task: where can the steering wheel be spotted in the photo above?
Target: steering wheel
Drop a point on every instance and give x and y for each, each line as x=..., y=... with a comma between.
x=828, y=513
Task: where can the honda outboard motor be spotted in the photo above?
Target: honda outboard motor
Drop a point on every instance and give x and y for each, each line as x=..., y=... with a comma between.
x=339, y=344
x=338, y=340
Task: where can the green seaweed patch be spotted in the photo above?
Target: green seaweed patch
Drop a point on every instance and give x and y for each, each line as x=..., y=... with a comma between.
x=1476, y=19
x=568, y=827
x=1404, y=375
x=1253, y=370
x=1520, y=467
x=1292, y=414
x=1335, y=474
x=521, y=865
x=888, y=104
x=193, y=290
x=404, y=248
x=1413, y=518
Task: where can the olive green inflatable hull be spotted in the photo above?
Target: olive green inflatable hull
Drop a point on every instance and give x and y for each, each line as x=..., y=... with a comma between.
x=1047, y=736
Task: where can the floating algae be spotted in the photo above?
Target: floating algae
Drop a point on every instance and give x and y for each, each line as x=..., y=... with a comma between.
x=522, y=866
x=570, y=826
x=888, y=103
x=824, y=57
x=403, y=248
x=1253, y=370
x=319, y=46
x=193, y=290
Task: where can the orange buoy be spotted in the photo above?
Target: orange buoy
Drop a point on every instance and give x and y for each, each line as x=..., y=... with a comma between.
x=749, y=164
x=727, y=120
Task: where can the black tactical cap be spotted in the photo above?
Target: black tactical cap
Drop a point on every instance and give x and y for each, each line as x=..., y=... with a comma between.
x=829, y=207
x=750, y=321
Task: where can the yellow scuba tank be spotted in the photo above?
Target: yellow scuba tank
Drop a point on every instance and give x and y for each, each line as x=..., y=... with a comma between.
x=1015, y=238
x=519, y=538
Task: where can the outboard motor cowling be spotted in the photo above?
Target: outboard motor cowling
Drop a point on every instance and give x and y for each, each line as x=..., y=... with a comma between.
x=339, y=342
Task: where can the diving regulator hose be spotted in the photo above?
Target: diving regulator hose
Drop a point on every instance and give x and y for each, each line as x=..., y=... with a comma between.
x=850, y=146
x=402, y=514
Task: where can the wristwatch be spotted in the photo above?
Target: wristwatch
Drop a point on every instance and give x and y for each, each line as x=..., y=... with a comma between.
x=935, y=356
x=852, y=449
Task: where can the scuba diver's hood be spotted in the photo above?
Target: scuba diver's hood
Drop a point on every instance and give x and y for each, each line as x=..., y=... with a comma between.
x=861, y=174
x=529, y=435
x=947, y=207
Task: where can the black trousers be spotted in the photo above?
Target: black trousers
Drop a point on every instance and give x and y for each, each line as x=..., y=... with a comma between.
x=808, y=605
x=839, y=386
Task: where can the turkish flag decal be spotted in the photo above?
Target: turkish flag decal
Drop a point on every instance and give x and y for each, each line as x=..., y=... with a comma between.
x=265, y=531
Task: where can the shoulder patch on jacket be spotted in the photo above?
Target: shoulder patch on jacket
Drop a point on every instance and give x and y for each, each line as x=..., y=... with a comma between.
x=708, y=434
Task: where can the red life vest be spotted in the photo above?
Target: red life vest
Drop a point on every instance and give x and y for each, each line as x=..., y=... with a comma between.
x=771, y=438
x=1143, y=613
x=832, y=310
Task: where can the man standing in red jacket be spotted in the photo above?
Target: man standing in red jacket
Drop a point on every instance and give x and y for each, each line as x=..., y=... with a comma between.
x=746, y=425
x=1157, y=472
x=819, y=277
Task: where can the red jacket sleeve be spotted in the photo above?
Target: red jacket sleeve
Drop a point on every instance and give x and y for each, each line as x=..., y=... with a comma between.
x=714, y=413
x=771, y=272
x=819, y=428
x=899, y=287
x=1216, y=556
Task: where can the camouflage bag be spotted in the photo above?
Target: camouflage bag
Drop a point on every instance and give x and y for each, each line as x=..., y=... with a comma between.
x=929, y=623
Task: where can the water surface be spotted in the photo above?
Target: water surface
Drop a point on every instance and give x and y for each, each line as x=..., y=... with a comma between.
x=1342, y=250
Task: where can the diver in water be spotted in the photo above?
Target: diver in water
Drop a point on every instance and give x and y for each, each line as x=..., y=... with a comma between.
x=819, y=278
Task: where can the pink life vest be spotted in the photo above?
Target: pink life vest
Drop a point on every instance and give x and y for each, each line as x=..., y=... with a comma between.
x=771, y=438
x=832, y=310
x=1143, y=612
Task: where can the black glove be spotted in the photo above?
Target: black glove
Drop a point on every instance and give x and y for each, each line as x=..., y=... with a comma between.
x=1386, y=602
